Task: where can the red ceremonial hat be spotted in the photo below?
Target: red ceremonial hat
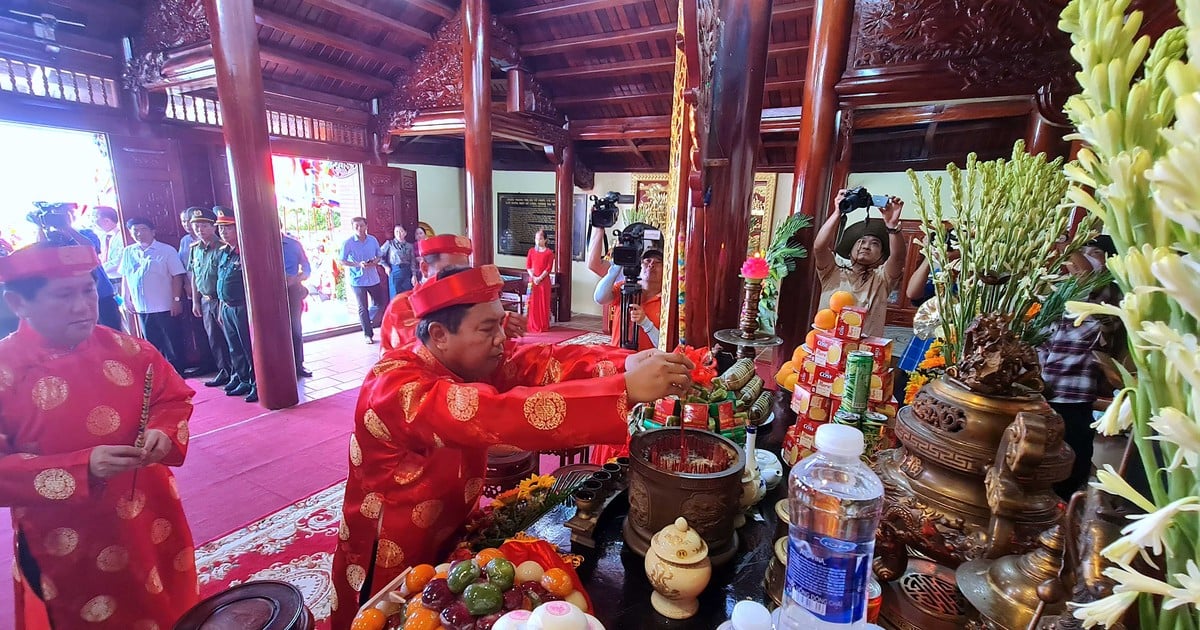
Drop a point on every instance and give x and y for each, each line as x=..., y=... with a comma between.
x=474, y=286
x=444, y=244
x=41, y=261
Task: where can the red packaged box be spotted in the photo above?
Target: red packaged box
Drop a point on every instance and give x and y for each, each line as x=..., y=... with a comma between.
x=808, y=404
x=831, y=351
x=722, y=413
x=806, y=438
x=788, y=452
x=807, y=374
x=881, y=349
x=695, y=416
x=829, y=383
x=664, y=408
x=850, y=322
x=881, y=387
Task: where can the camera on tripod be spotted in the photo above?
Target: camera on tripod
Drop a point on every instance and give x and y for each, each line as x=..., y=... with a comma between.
x=605, y=210
x=51, y=215
x=632, y=244
x=856, y=198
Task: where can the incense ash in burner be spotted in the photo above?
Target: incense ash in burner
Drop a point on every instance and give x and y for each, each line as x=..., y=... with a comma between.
x=689, y=454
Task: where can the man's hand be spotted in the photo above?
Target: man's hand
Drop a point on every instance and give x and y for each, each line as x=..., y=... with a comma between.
x=636, y=314
x=196, y=310
x=837, y=200
x=157, y=446
x=109, y=461
x=891, y=212
x=176, y=308
x=657, y=374
x=515, y=325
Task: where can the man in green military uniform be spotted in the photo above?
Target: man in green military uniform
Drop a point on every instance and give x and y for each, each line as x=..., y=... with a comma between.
x=203, y=256
x=231, y=289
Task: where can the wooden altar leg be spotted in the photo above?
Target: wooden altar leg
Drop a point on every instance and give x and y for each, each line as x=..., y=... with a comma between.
x=830, y=39
x=239, y=86
x=477, y=113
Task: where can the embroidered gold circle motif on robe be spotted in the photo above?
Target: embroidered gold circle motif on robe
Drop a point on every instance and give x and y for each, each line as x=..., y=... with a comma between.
x=553, y=373
x=355, y=576
x=129, y=508
x=6, y=378
x=49, y=392
x=49, y=590
x=160, y=531
x=127, y=343
x=371, y=505
x=408, y=396
x=463, y=402
x=154, y=584
x=605, y=368
x=375, y=426
x=426, y=513
x=343, y=531
x=390, y=554
x=103, y=420
x=473, y=488
x=183, y=432
x=545, y=410
x=145, y=624
x=98, y=609
x=118, y=374
x=406, y=473
x=55, y=484
x=185, y=560
x=355, y=451
x=112, y=559
x=623, y=406
x=61, y=541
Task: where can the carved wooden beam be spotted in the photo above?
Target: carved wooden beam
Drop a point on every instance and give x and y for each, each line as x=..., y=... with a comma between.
x=940, y=112
x=371, y=17
x=610, y=99
x=787, y=48
x=323, y=69
x=776, y=84
x=780, y=119
x=321, y=35
x=433, y=6
x=788, y=11
x=616, y=38
x=619, y=68
x=774, y=120
x=563, y=8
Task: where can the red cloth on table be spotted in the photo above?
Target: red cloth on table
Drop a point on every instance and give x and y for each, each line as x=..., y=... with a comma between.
x=539, y=294
x=113, y=555
x=418, y=453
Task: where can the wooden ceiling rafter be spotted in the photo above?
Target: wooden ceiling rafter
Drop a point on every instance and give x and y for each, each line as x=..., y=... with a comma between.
x=941, y=112
x=323, y=69
x=435, y=7
x=562, y=8
x=603, y=40
x=616, y=68
x=370, y=17
x=325, y=37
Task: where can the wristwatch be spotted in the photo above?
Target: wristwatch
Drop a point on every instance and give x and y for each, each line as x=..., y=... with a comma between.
x=891, y=230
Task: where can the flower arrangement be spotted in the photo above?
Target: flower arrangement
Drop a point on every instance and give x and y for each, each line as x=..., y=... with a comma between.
x=1008, y=216
x=755, y=268
x=930, y=367
x=1139, y=113
x=781, y=259
x=512, y=511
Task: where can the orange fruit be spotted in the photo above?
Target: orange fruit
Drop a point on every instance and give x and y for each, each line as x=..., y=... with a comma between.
x=841, y=299
x=789, y=382
x=487, y=555
x=798, y=356
x=418, y=577
x=811, y=339
x=422, y=619
x=783, y=372
x=558, y=582
x=369, y=619
x=826, y=319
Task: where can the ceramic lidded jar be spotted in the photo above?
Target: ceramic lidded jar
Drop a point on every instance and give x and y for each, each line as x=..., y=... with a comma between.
x=678, y=568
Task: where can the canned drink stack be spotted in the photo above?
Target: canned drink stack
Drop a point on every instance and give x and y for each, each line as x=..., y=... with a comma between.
x=857, y=391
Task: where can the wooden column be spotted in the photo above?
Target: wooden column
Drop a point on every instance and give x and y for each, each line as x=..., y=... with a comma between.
x=714, y=284
x=239, y=86
x=477, y=113
x=815, y=158
x=564, y=225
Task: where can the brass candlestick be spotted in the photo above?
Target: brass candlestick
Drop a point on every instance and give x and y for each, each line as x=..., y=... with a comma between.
x=748, y=323
x=746, y=336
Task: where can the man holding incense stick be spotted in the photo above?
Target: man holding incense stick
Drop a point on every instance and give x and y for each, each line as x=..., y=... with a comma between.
x=90, y=419
x=427, y=414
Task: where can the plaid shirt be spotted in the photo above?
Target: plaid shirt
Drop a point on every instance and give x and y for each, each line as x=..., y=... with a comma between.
x=1071, y=373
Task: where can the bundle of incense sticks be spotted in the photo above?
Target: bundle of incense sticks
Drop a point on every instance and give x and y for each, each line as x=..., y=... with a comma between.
x=692, y=455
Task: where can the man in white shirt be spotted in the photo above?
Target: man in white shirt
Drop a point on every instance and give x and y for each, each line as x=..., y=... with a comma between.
x=153, y=288
x=112, y=240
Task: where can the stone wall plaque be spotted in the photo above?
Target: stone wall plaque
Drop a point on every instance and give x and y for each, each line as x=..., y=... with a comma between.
x=521, y=215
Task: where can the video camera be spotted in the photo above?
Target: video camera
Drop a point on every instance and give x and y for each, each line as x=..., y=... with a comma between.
x=51, y=216
x=605, y=210
x=856, y=198
x=632, y=243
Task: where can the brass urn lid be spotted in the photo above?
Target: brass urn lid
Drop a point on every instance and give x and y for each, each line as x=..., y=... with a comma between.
x=781, y=550
x=783, y=512
x=679, y=543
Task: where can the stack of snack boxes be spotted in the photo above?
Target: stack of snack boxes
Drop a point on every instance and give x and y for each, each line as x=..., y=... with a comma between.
x=819, y=368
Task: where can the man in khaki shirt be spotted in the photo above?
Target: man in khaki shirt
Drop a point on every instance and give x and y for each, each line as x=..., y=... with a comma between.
x=876, y=252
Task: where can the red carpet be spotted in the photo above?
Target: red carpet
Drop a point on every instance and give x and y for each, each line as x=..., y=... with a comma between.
x=556, y=334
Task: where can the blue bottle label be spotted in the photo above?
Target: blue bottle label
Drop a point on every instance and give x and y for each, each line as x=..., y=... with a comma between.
x=828, y=576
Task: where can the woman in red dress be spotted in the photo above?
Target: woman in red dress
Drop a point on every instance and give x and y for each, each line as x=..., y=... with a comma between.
x=540, y=264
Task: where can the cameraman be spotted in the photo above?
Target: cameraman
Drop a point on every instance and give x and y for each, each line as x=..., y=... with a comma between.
x=54, y=224
x=608, y=291
x=876, y=252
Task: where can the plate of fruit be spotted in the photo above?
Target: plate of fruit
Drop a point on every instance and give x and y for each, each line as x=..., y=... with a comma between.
x=474, y=592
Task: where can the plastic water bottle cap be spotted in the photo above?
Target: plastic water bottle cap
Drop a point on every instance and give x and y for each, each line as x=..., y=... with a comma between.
x=840, y=440
x=748, y=615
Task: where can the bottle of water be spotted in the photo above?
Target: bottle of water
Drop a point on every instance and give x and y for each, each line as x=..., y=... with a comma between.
x=835, y=502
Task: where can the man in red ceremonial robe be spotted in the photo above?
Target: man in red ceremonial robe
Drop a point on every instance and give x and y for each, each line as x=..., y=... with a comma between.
x=90, y=418
x=436, y=253
x=427, y=414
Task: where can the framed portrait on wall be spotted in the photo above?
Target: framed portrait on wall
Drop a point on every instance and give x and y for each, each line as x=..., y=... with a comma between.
x=651, y=202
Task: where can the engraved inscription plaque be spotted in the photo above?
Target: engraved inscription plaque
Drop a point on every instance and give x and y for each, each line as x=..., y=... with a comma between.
x=521, y=215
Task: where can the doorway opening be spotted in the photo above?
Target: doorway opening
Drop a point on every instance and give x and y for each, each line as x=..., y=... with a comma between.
x=316, y=201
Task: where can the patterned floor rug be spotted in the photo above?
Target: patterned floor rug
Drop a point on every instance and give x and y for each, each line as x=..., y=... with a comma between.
x=293, y=545
x=588, y=339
